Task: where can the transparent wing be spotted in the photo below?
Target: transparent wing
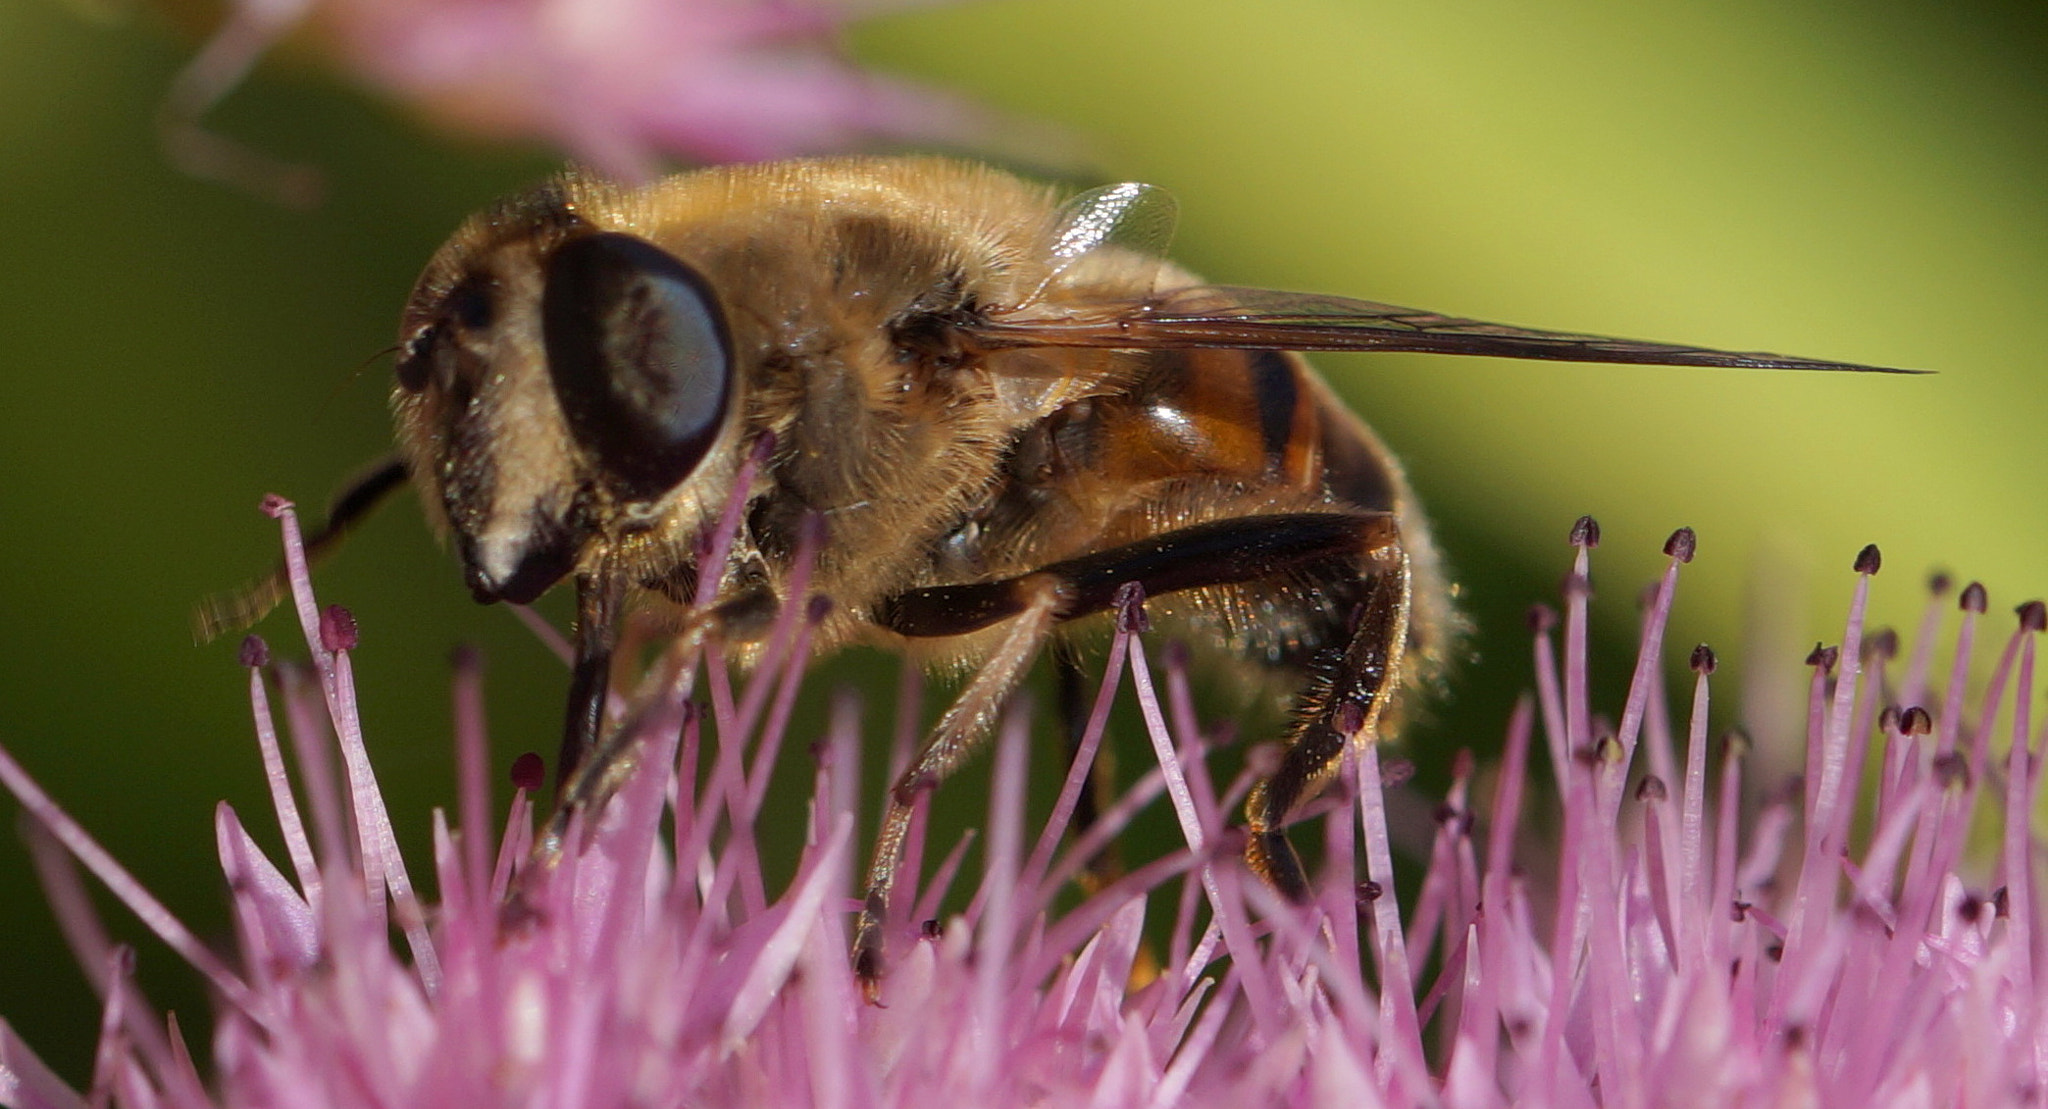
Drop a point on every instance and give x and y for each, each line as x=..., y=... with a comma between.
x=1128, y=219
x=1260, y=319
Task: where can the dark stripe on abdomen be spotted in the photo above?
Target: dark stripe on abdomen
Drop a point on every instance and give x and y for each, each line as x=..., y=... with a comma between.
x=1278, y=395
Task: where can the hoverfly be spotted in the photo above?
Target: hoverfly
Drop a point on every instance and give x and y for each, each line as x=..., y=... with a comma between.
x=1000, y=408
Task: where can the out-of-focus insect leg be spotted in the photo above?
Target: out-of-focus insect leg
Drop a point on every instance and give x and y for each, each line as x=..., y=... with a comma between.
x=1347, y=710
x=356, y=500
x=1075, y=704
x=233, y=611
x=962, y=729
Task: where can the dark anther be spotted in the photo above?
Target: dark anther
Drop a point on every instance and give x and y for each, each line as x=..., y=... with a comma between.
x=1585, y=532
x=1775, y=952
x=1868, y=560
x=1974, y=599
x=528, y=772
x=254, y=652
x=1367, y=892
x=1888, y=719
x=1541, y=618
x=1824, y=657
x=273, y=505
x=1880, y=645
x=465, y=657
x=2001, y=902
x=1703, y=660
x=1734, y=744
x=1652, y=788
x=1396, y=772
x=931, y=929
x=1969, y=907
x=1939, y=583
x=2033, y=616
x=337, y=629
x=1915, y=720
x=1175, y=656
x=1738, y=911
x=1682, y=544
x=1576, y=586
x=1130, y=609
x=1348, y=718
x=1952, y=770
x=817, y=608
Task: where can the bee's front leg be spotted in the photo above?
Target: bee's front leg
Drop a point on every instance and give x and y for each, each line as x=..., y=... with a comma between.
x=228, y=612
x=595, y=759
x=1040, y=599
x=599, y=598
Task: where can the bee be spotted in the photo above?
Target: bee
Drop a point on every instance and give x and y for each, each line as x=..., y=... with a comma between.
x=991, y=410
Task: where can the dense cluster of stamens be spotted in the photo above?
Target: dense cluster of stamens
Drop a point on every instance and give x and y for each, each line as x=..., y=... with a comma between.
x=1841, y=946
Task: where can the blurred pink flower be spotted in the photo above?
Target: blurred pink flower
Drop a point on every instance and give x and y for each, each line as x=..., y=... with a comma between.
x=1838, y=949
x=624, y=86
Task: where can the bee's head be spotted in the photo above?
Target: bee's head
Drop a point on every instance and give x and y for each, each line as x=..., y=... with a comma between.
x=558, y=386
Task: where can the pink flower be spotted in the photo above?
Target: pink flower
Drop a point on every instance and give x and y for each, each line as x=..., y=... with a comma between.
x=1839, y=948
x=621, y=85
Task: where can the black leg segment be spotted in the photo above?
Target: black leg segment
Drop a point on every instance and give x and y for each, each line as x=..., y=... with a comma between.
x=227, y=612
x=598, y=600
x=1343, y=707
x=1222, y=552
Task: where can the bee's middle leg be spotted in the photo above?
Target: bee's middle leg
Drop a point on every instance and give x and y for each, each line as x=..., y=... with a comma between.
x=959, y=732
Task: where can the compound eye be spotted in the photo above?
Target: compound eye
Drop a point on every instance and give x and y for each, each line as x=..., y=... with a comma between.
x=640, y=357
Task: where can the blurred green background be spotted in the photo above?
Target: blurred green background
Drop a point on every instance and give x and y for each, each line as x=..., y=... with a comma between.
x=1857, y=181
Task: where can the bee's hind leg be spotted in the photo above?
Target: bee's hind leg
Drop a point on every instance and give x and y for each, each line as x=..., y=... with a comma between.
x=1342, y=706
x=1363, y=545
